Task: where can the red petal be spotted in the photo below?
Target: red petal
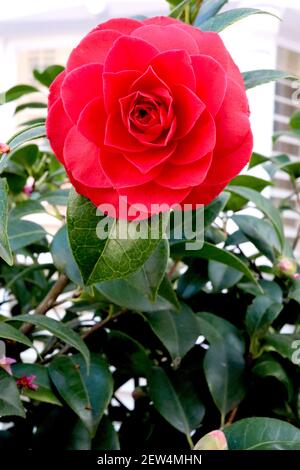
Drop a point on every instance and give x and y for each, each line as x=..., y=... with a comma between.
x=188, y=107
x=149, y=81
x=54, y=90
x=211, y=82
x=165, y=38
x=122, y=173
x=80, y=87
x=92, y=120
x=58, y=125
x=117, y=136
x=232, y=121
x=147, y=160
x=116, y=86
x=174, y=67
x=82, y=160
x=226, y=166
x=203, y=194
x=176, y=177
x=123, y=25
x=197, y=143
x=161, y=21
x=129, y=53
x=152, y=195
x=92, y=49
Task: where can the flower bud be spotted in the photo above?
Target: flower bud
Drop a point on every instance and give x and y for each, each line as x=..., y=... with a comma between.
x=4, y=148
x=215, y=440
x=286, y=267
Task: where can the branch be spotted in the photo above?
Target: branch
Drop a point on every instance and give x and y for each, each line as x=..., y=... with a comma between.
x=48, y=302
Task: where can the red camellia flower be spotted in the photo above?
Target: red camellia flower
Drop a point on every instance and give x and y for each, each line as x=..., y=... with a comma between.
x=152, y=112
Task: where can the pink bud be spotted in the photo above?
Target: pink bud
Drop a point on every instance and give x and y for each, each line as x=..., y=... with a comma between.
x=287, y=267
x=26, y=382
x=215, y=440
x=4, y=148
x=6, y=362
x=296, y=276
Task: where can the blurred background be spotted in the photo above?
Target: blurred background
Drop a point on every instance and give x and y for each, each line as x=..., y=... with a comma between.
x=34, y=34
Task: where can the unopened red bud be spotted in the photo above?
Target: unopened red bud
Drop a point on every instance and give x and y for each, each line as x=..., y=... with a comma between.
x=215, y=440
x=4, y=148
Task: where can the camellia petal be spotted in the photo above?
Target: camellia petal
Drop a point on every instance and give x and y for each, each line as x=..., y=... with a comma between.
x=54, y=90
x=122, y=25
x=82, y=159
x=188, y=107
x=91, y=122
x=116, y=86
x=93, y=48
x=203, y=194
x=174, y=68
x=197, y=143
x=129, y=53
x=80, y=87
x=207, y=70
x=147, y=160
x=58, y=126
x=118, y=137
x=184, y=176
x=122, y=173
x=165, y=38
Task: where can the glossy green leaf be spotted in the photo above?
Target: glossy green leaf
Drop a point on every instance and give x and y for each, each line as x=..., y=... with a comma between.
x=209, y=9
x=257, y=159
x=212, y=252
x=214, y=208
x=87, y=393
x=56, y=198
x=295, y=121
x=149, y=278
x=26, y=156
x=294, y=292
x=121, y=253
x=261, y=233
x=223, y=20
x=44, y=393
x=17, y=92
x=59, y=330
x=293, y=169
x=262, y=434
x=222, y=276
x=261, y=314
x=287, y=345
x=10, y=403
x=176, y=402
x=178, y=331
x=224, y=362
x=30, y=105
x=267, y=366
x=105, y=438
x=46, y=76
x=13, y=334
x=63, y=257
x=264, y=205
x=237, y=202
x=255, y=78
x=22, y=233
x=26, y=208
x=5, y=249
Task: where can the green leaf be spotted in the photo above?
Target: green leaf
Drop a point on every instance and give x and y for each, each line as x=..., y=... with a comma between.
x=254, y=78
x=56, y=198
x=294, y=292
x=105, y=438
x=262, y=434
x=149, y=278
x=36, y=131
x=283, y=344
x=209, y=9
x=223, y=20
x=257, y=159
x=10, y=403
x=58, y=329
x=176, y=12
x=119, y=254
x=212, y=252
x=295, y=121
x=193, y=280
x=292, y=169
x=222, y=276
x=177, y=402
x=237, y=202
x=30, y=105
x=26, y=156
x=214, y=208
x=24, y=208
x=63, y=257
x=87, y=394
x=13, y=334
x=178, y=331
x=46, y=76
x=261, y=233
x=17, y=92
x=267, y=366
x=5, y=250
x=44, y=393
x=224, y=363
x=23, y=232
x=264, y=205
x=167, y=292
x=123, y=293
x=261, y=314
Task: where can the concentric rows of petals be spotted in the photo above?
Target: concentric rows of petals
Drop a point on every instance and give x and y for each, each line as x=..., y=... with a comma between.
x=154, y=111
